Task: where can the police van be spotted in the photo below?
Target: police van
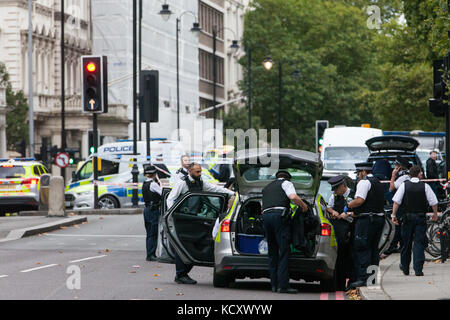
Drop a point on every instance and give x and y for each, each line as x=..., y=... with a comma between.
x=116, y=159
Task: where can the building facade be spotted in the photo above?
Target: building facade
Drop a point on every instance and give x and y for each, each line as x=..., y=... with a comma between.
x=46, y=20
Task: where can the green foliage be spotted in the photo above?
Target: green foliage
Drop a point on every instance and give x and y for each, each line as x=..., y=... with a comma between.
x=17, y=114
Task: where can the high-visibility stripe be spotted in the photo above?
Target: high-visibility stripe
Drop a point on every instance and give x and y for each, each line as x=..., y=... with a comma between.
x=333, y=241
x=228, y=216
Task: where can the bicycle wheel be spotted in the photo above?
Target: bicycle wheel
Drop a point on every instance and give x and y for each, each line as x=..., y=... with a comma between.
x=434, y=240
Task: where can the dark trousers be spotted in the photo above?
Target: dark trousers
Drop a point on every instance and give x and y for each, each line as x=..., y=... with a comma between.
x=367, y=236
x=278, y=238
x=414, y=231
x=344, y=261
x=181, y=268
x=151, y=219
x=397, y=240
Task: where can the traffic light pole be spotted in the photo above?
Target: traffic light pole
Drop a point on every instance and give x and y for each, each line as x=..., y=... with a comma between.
x=95, y=166
x=135, y=169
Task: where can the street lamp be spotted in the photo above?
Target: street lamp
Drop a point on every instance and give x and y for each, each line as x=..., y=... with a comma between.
x=234, y=46
x=165, y=14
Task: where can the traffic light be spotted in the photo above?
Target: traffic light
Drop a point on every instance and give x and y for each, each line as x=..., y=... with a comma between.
x=439, y=102
x=149, y=95
x=321, y=125
x=91, y=141
x=21, y=147
x=94, y=94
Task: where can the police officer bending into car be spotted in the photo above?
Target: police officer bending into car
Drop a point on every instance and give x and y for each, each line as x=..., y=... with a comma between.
x=151, y=191
x=415, y=196
x=342, y=220
x=277, y=197
x=191, y=183
x=368, y=207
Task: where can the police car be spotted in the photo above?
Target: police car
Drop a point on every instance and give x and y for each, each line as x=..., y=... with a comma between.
x=20, y=184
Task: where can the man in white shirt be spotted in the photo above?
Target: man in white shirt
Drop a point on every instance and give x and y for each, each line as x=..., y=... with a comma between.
x=183, y=171
x=191, y=182
x=416, y=197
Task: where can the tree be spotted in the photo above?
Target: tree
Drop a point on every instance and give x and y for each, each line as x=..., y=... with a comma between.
x=17, y=112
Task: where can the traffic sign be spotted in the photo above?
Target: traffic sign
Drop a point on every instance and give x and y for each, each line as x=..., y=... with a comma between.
x=62, y=159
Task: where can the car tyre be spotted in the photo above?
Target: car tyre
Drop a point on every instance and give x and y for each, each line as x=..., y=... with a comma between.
x=329, y=285
x=222, y=281
x=108, y=202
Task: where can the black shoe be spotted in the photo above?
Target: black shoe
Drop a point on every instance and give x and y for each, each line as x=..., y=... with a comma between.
x=405, y=272
x=185, y=280
x=152, y=258
x=287, y=290
x=419, y=274
x=357, y=284
x=274, y=289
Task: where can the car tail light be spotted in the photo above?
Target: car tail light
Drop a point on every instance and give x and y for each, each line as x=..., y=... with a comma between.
x=326, y=230
x=225, y=226
x=30, y=181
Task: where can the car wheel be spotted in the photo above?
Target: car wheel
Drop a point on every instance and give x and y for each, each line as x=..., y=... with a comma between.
x=108, y=202
x=329, y=285
x=222, y=281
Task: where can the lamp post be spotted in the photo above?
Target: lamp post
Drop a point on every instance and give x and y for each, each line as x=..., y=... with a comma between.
x=234, y=46
x=135, y=170
x=165, y=14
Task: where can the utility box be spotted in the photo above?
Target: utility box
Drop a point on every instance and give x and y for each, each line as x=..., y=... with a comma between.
x=44, y=191
x=56, y=203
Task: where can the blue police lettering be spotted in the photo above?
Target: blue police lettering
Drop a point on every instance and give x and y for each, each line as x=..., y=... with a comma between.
x=118, y=149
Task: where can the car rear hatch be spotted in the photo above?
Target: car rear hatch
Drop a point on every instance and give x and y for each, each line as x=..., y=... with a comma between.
x=392, y=143
x=12, y=180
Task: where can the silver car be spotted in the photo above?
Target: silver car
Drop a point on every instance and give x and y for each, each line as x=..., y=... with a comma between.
x=237, y=252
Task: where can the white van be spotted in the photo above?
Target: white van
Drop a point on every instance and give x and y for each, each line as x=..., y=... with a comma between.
x=116, y=158
x=345, y=146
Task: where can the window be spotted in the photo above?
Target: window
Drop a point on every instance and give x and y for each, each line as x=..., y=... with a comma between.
x=209, y=17
x=344, y=158
x=109, y=167
x=268, y=174
x=36, y=171
x=201, y=206
x=206, y=67
x=10, y=171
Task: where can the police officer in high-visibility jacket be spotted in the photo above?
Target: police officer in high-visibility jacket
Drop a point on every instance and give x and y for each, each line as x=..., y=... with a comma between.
x=416, y=197
x=277, y=197
x=368, y=208
x=151, y=191
x=341, y=218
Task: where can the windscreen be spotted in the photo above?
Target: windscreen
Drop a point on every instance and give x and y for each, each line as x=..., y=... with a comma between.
x=344, y=158
x=299, y=176
x=11, y=172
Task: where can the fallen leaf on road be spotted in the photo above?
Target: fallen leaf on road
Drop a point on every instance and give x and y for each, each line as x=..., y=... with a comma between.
x=71, y=214
x=133, y=271
x=180, y=294
x=101, y=218
x=156, y=275
x=39, y=234
x=158, y=289
x=159, y=266
x=76, y=226
x=63, y=227
x=38, y=263
x=107, y=250
x=438, y=261
x=84, y=222
x=136, y=266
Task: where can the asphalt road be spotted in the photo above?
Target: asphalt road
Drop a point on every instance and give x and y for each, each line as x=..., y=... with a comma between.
x=104, y=259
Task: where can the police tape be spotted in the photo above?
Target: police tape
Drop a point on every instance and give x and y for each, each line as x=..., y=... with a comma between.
x=162, y=160
x=129, y=185
x=423, y=180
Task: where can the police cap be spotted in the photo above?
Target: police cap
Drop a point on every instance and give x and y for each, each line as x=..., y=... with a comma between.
x=149, y=169
x=283, y=172
x=402, y=162
x=364, y=166
x=336, y=181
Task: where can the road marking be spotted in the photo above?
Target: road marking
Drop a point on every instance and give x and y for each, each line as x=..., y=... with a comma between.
x=339, y=295
x=33, y=269
x=324, y=296
x=99, y=235
x=90, y=258
x=3, y=276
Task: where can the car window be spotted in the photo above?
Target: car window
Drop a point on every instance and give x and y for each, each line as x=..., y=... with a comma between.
x=9, y=171
x=268, y=174
x=325, y=190
x=201, y=206
x=44, y=170
x=86, y=171
x=36, y=171
x=344, y=158
x=109, y=167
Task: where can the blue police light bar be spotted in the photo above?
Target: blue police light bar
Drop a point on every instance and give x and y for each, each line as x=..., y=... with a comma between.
x=408, y=133
x=3, y=159
x=24, y=159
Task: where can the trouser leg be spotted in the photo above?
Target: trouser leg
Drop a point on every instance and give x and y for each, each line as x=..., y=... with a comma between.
x=407, y=235
x=420, y=242
x=283, y=263
x=273, y=249
x=153, y=232
x=361, y=247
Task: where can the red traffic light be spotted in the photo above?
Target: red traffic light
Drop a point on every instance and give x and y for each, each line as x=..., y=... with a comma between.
x=91, y=67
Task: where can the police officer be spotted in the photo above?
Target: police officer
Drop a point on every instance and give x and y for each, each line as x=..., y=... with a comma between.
x=342, y=222
x=192, y=182
x=276, y=200
x=151, y=191
x=183, y=171
x=368, y=207
x=399, y=175
x=416, y=196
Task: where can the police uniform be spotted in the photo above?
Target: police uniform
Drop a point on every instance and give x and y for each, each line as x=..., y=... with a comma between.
x=180, y=174
x=151, y=191
x=369, y=223
x=415, y=196
x=189, y=184
x=275, y=201
x=402, y=177
x=343, y=231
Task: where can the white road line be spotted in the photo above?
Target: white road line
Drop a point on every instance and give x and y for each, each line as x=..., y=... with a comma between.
x=3, y=276
x=99, y=235
x=90, y=258
x=33, y=269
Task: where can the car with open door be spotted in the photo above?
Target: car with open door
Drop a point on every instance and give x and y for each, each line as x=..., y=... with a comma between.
x=237, y=252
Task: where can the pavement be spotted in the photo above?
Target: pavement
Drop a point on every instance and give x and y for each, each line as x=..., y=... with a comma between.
x=393, y=285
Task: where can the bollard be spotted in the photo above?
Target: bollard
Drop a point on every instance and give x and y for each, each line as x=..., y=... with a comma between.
x=56, y=203
x=44, y=191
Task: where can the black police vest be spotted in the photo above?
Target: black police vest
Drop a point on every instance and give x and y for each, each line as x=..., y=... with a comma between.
x=374, y=202
x=184, y=173
x=415, y=198
x=193, y=185
x=274, y=195
x=150, y=198
x=340, y=201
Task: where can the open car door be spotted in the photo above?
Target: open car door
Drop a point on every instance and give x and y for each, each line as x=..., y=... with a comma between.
x=388, y=232
x=189, y=224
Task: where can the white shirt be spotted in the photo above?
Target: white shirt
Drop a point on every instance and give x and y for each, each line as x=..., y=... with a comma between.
x=400, y=180
x=431, y=197
x=181, y=188
x=154, y=187
x=331, y=201
x=363, y=188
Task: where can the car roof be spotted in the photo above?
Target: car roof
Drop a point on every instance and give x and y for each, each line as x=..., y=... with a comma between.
x=299, y=154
